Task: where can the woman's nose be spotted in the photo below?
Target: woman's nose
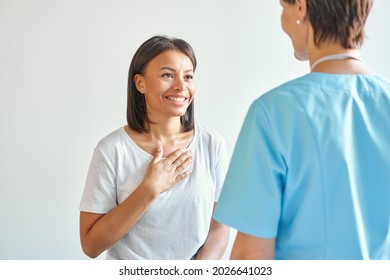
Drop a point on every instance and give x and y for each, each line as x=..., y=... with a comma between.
x=179, y=84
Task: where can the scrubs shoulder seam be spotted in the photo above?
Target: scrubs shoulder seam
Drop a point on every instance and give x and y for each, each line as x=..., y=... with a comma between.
x=262, y=106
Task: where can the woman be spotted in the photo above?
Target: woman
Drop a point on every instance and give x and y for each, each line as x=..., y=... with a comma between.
x=152, y=185
x=309, y=177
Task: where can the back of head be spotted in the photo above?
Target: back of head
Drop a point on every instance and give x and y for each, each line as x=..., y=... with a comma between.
x=340, y=21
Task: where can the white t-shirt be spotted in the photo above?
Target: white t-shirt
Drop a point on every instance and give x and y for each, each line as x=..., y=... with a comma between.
x=177, y=223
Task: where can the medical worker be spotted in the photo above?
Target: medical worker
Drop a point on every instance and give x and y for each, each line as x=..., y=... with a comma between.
x=310, y=174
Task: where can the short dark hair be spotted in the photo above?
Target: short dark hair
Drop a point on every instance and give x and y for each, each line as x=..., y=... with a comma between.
x=338, y=20
x=136, y=106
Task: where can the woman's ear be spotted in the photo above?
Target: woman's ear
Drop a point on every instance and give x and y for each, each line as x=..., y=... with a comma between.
x=139, y=82
x=301, y=9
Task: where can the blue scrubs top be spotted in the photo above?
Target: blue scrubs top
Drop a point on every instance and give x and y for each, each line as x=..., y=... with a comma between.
x=311, y=168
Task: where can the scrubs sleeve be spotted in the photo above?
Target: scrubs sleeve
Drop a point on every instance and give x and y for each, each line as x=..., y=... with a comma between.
x=251, y=197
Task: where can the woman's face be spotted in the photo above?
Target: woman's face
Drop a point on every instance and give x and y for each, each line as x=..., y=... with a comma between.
x=167, y=84
x=298, y=33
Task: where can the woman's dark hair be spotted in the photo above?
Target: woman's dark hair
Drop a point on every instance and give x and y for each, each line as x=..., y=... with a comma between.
x=137, y=116
x=338, y=20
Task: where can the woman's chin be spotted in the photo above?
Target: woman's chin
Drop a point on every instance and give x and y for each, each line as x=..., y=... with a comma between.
x=301, y=56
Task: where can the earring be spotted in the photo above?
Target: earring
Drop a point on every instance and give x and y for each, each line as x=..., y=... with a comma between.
x=298, y=21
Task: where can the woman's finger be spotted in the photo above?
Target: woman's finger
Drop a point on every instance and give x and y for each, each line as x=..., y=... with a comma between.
x=182, y=162
x=170, y=159
x=183, y=157
x=158, y=154
x=183, y=175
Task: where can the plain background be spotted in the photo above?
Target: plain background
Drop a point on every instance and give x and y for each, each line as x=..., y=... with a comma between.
x=63, y=79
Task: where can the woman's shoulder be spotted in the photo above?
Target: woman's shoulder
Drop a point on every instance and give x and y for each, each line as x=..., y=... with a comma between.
x=210, y=142
x=209, y=137
x=292, y=85
x=111, y=140
x=293, y=91
x=207, y=132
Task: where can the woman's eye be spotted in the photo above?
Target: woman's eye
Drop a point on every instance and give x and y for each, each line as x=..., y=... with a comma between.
x=189, y=77
x=168, y=75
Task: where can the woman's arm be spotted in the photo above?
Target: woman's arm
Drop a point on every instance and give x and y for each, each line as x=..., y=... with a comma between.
x=248, y=247
x=98, y=232
x=216, y=242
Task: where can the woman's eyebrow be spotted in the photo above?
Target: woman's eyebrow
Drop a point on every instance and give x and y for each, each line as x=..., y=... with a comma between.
x=174, y=70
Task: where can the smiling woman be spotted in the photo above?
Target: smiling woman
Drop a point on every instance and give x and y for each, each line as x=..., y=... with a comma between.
x=167, y=89
x=152, y=185
x=167, y=85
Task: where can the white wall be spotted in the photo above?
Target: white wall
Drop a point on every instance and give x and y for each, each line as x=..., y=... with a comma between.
x=63, y=74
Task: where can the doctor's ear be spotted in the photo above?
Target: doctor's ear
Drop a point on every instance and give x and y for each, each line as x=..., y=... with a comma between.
x=139, y=82
x=301, y=9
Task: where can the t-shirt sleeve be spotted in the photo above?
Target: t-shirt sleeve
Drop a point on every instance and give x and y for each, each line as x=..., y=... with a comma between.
x=251, y=197
x=221, y=166
x=100, y=189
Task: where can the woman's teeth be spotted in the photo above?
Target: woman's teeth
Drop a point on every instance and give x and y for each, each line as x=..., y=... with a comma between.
x=176, y=99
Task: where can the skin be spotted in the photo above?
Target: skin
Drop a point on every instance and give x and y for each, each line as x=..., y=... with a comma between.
x=168, y=87
x=302, y=38
x=301, y=35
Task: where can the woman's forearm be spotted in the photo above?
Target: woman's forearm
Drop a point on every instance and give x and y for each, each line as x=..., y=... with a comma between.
x=100, y=232
x=216, y=242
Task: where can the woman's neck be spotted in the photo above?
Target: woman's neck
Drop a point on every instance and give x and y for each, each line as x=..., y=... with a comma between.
x=170, y=135
x=167, y=129
x=334, y=59
x=329, y=49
